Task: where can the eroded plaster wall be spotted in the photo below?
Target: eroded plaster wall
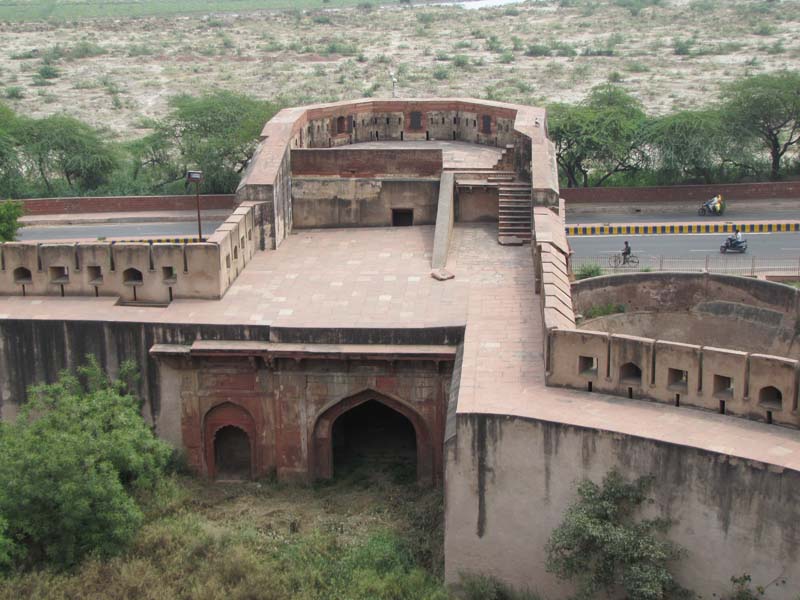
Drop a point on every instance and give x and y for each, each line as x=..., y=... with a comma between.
x=335, y=202
x=509, y=481
x=286, y=398
x=696, y=308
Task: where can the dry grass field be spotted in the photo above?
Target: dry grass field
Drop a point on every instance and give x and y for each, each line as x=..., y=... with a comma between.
x=118, y=72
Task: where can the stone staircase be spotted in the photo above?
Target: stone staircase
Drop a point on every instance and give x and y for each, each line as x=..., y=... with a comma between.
x=514, y=212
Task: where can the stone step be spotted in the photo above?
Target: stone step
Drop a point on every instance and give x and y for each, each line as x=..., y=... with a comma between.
x=509, y=227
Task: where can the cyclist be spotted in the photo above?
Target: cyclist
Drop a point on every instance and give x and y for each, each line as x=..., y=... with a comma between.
x=626, y=252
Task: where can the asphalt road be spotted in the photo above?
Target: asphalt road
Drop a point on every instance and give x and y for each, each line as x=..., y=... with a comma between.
x=762, y=245
x=681, y=217
x=111, y=230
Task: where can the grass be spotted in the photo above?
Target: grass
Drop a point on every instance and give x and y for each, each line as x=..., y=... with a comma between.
x=34, y=10
x=588, y=270
x=603, y=310
x=367, y=536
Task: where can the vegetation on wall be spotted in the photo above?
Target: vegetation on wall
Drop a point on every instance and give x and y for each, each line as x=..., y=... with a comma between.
x=604, y=548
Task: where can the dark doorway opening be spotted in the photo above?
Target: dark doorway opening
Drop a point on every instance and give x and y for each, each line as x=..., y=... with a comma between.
x=373, y=441
x=402, y=217
x=232, y=453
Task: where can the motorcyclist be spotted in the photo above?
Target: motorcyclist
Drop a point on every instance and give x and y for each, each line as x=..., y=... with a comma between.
x=737, y=235
x=626, y=252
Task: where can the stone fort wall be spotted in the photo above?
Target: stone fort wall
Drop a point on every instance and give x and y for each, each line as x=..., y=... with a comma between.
x=268, y=178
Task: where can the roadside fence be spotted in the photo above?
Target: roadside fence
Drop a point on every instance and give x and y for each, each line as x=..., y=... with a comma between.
x=728, y=264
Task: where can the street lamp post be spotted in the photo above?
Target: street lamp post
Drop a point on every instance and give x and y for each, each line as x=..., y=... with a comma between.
x=196, y=177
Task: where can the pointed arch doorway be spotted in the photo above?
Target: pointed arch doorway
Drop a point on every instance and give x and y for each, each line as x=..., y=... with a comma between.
x=373, y=426
x=229, y=443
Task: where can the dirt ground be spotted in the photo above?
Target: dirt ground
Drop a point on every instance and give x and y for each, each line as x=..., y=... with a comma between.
x=673, y=55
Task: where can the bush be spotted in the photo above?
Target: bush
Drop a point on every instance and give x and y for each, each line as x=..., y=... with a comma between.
x=70, y=466
x=461, y=60
x=537, y=50
x=14, y=92
x=588, y=270
x=603, y=310
x=10, y=212
x=601, y=548
x=682, y=47
x=441, y=73
x=48, y=71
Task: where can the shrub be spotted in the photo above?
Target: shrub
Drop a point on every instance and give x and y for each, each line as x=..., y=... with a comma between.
x=588, y=270
x=603, y=310
x=14, y=92
x=537, y=50
x=48, y=71
x=70, y=465
x=682, y=47
x=461, y=60
x=615, y=77
x=441, y=73
x=84, y=49
x=506, y=57
x=764, y=29
x=601, y=548
x=10, y=212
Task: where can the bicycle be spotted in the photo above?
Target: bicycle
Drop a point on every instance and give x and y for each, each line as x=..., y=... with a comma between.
x=616, y=261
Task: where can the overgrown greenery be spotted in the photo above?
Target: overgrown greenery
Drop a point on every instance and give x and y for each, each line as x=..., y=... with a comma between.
x=603, y=310
x=59, y=155
x=588, y=270
x=752, y=133
x=603, y=548
x=10, y=212
x=71, y=466
x=361, y=537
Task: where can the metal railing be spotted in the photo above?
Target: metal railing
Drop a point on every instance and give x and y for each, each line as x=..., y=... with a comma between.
x=727, y=264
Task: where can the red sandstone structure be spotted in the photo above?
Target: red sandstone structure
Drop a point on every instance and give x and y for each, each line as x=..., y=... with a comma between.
x=309, y=325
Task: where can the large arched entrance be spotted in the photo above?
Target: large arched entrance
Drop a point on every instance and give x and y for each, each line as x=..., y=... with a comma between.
x=229, y=443
x=372, y=428
x=373, y=437
x=232, y=453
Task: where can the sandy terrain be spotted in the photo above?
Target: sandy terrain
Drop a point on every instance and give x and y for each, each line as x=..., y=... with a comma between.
x=346, y=53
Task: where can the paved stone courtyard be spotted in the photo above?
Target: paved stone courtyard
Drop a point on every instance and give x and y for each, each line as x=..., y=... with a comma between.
x=380, y=278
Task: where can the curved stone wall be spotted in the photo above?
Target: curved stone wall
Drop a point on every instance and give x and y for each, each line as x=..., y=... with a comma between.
x=698, y=370
x=517, y=127
x=696, y=308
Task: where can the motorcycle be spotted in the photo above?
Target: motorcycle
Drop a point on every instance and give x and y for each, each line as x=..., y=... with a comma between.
x=711, y=207
x=731, y=245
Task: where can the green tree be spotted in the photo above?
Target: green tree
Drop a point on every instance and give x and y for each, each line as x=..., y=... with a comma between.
x=9, y=159
x=766, y=107
x=688, y=145
x=62, y=146
x=602, y=548
x=598, y=138
x=218, y=133
x=10, y=212
x=70, y=466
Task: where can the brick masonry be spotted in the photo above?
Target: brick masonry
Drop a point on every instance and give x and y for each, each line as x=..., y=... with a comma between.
x=55, y=206
x=354, y=162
